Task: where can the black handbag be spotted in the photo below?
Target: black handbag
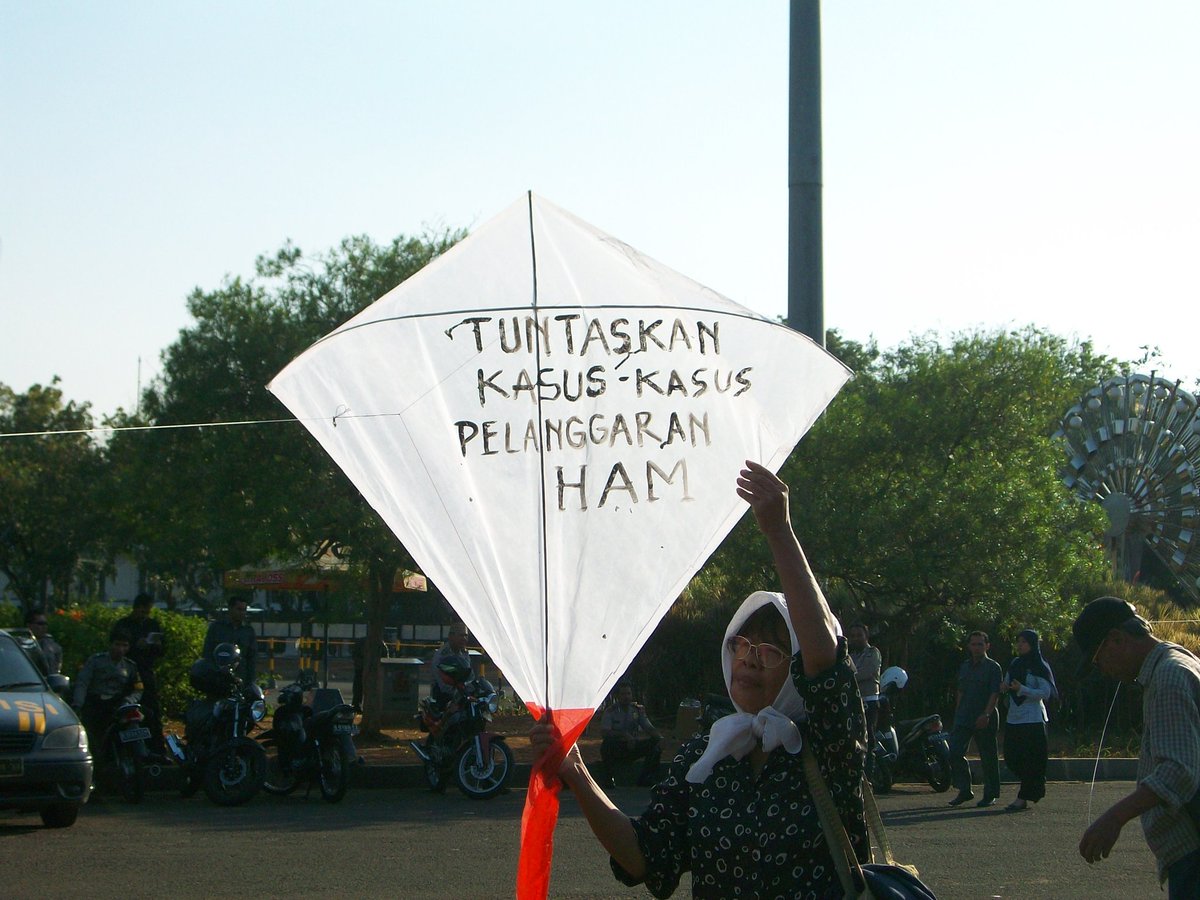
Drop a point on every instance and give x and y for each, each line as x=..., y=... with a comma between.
x=888, y=880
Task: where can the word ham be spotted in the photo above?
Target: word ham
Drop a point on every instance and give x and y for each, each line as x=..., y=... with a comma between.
x=575, y=484
x=575, y=335
x=575, y=433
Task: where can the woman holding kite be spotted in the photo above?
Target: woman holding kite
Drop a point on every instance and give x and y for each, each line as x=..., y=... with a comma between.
x=735, y=808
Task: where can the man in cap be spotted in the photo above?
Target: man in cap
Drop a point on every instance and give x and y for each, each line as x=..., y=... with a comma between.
x=1122, y=645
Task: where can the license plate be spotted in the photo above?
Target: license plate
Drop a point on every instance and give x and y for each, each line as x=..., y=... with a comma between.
x=135, y=734
x=345, y=729
x=12, y=767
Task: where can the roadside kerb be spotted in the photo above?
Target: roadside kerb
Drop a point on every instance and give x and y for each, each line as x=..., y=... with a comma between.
x=411, y=775
x=375, y=775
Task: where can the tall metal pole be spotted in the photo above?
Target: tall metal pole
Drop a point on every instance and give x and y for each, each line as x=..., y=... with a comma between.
x=806, y=300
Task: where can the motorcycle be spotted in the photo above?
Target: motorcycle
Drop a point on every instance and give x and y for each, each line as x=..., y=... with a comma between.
x=917, y=748
x=216, y=751
x=459, y=741
x=124, y=751
x=313, y=743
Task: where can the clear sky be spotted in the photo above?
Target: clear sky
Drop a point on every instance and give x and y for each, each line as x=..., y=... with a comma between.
x=1033, y=161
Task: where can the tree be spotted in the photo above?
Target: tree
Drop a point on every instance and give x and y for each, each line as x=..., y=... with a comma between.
x=932, y=484
x=49, y=517
x=219, y=497
x=928, y=502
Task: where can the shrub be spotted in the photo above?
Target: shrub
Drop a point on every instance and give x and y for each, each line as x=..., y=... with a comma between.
x=84, y=630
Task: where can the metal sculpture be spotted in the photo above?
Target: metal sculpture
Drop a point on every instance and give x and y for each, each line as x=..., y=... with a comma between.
x=1133, y=446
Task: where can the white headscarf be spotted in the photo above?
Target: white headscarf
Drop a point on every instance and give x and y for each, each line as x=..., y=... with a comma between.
x=736, y=735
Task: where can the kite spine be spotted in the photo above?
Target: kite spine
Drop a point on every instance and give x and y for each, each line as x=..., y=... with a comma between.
x=537, y=353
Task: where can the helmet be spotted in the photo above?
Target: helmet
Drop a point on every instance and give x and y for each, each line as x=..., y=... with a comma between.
x=454, y=672
x=893, y=676
x=227, y=655
x=208, y=678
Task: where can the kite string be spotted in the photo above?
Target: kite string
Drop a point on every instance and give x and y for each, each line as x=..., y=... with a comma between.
x=112, y=429
x=1099, y=750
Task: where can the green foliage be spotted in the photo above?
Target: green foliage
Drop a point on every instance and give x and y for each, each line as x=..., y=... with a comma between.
x=49, y=517
x=932, y=493
x=183, y=637
x=84, y=630
x=928, y=502
x=195, y=503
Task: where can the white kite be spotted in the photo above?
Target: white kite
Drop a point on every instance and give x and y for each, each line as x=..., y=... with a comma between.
x=551, y=423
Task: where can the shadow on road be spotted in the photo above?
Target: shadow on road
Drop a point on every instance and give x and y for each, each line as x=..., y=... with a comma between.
x=915, y=814
x=298, y=814
x=22, y=827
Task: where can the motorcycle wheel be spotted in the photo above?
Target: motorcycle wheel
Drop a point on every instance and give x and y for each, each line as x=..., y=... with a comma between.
x=333, y=774
x=937, y=761
x=235, y=772
x=481, y=783
x=130, y=773
x=277, y=781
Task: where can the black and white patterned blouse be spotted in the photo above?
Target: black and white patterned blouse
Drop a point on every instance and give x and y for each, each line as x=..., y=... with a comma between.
x=747, y=836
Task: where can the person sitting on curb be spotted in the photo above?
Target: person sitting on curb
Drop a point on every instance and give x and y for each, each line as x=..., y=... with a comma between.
x=628, y=735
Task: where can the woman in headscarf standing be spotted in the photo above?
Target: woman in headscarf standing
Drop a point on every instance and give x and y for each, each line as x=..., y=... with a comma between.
x=1029, y=683
x=735, y=808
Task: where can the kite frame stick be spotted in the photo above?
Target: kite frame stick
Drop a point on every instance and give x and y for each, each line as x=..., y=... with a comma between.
x=537, y=356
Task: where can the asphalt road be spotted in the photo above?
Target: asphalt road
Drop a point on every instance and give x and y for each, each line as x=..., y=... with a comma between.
x=409, y=843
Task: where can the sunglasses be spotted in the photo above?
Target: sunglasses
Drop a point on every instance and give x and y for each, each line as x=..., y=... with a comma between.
x=769, y=656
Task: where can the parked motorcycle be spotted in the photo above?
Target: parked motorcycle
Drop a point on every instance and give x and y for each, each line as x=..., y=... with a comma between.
x=124, y=754
x=917, y=748
x=216, y=752
x=313, y=743
x=459, y=742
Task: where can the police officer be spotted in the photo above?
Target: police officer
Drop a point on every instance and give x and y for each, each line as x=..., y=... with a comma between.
x=107, y=680
x=628, y=735
x=52, y=651
x=145, y=651
x=233, y=629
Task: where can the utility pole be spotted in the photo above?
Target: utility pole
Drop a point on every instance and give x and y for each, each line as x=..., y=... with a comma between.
x=806, y=291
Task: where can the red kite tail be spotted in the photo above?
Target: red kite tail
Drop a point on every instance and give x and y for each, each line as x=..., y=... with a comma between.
x=541, y=803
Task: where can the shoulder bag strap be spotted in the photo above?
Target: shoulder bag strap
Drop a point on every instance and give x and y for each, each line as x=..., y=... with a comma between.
x=854, y=884
x=875, y=823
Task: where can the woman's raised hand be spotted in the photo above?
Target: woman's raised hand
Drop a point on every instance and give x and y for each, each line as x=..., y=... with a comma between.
x=766, y=494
